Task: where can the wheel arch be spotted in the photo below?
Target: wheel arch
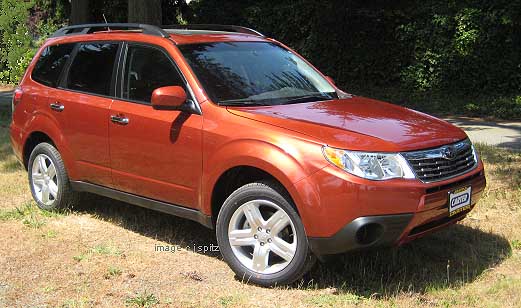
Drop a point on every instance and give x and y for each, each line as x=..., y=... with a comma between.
x=43, y=128
x=235, y=177
x=32, y=140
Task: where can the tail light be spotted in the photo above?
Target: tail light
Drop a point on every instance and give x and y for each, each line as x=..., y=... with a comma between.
x=17, y=98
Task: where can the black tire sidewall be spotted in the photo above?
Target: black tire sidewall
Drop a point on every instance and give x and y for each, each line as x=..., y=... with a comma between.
x=250, y=192
x=63, y=180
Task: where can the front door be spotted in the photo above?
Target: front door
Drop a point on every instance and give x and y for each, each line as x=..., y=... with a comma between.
x=154, y=153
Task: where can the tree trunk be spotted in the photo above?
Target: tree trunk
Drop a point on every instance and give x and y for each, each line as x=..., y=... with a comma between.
x=80, y=12
x=146, y=12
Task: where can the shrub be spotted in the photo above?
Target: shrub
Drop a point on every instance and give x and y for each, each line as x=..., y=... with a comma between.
x=23, y=27
x=16, y=41
x=466, y=47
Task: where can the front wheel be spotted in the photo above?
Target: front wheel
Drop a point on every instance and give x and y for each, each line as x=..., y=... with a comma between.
x=262, y=237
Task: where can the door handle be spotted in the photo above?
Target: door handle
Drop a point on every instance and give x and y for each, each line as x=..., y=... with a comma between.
x=119, y=119
x=57, y=107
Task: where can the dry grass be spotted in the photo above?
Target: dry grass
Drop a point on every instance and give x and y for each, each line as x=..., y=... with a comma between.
x=104, y=254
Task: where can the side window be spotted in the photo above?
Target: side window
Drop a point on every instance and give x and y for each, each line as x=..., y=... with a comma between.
x=49, y=67
x=147, y=69
x=92, y=67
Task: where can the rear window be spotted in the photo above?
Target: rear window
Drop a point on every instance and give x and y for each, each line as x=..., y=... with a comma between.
x=92, y=67
x=50, y=65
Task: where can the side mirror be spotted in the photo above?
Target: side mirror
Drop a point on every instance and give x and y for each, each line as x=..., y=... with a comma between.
x=168, y=98
x=330, y=79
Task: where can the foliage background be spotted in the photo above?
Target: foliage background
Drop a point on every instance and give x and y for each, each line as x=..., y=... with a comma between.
x=23, y=27
x=416, y=52
x=457, y=56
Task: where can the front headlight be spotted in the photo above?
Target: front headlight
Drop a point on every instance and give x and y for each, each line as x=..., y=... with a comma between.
x=372, y=166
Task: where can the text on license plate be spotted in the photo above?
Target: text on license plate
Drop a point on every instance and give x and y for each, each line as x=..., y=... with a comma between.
x=459, y=200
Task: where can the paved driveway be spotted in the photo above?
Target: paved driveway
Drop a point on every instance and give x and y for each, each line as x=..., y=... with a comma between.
x=501, y=134
x=5, y=99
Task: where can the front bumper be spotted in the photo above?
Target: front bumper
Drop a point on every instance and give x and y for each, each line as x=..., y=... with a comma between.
x=429, y=214
x=363, y=232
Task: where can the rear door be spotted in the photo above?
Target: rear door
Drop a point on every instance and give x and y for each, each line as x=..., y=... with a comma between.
x=83, y=100
x=154, y=153
x=47, y=71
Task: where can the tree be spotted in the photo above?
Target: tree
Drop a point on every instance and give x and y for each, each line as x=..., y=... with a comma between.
x=80, y=12
x=148, y=12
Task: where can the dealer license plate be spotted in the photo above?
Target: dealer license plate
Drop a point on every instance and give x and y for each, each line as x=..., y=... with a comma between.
x=459, y=200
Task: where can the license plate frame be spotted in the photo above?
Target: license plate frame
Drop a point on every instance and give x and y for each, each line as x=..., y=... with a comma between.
x=459, y=200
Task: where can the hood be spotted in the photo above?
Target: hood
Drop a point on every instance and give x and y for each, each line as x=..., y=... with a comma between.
x=358, y=123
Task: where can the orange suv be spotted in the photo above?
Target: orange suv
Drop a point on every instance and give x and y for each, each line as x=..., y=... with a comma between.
x=224, y=126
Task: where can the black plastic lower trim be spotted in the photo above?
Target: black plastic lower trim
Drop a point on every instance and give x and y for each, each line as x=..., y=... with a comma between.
x=152, y=204
x=392, y=226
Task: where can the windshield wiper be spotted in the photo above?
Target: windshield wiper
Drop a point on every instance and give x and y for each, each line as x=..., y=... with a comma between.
x=308, y=98
x=241, y=103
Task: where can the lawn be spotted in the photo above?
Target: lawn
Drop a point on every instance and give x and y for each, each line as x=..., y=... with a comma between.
x=105, y=253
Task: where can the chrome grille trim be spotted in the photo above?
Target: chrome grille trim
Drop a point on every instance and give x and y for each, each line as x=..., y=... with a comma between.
x=442, y=163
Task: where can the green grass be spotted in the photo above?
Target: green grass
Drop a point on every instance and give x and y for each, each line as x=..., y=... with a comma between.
x=504, y=283
x=333, y=300
x=50, y=234
x=100, y=249
x=18, y=213
x=106, y=250
x=114, y=271
x=29, y=214
x=142, y=300
x=82, y=256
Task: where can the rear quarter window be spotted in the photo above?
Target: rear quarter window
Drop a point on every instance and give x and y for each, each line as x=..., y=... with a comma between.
x=50, y=64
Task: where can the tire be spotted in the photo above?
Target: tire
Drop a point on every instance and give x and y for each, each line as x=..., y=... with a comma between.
x=60, y=195
x=289, y=256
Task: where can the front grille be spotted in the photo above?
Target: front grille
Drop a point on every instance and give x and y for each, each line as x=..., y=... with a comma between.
x=442, y=163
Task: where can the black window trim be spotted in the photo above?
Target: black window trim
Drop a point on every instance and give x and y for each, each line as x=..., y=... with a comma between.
x=62, y=84
x=122, y=68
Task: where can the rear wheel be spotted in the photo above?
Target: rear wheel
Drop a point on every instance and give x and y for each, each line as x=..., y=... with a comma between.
x=262, y=237
x=48, y=179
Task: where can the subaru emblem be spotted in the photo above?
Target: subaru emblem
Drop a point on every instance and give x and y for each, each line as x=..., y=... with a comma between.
x=448, y=152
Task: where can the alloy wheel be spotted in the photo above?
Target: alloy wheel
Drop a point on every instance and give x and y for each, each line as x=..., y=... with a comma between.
x=44, y=179
x=262, y=236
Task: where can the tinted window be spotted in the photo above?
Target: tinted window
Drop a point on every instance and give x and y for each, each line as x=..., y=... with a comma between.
x=50, y=64
x=91, y=69
x=255, y=73
x=147, y=69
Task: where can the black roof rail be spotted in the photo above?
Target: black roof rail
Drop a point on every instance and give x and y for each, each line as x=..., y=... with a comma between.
x=89, y=28
x=211, y=27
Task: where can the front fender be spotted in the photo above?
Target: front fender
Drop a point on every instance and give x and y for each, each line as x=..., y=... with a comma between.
x=288, y=162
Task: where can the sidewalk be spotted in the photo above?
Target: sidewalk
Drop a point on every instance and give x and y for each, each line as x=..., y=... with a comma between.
x=5, y=98
x=502, y=134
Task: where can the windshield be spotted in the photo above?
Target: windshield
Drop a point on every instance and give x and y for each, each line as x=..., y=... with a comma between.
x=255, y=73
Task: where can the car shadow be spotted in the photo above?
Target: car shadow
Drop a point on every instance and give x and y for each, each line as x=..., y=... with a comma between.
x=165, y=228
x=446, y=259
